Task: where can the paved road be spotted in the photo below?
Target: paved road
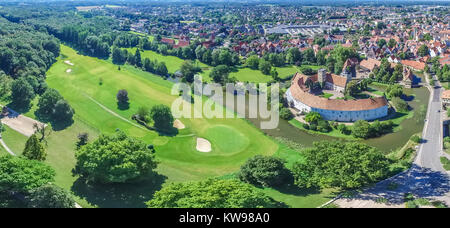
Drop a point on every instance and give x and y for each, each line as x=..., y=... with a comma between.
x=425, y=179
x=430, y=150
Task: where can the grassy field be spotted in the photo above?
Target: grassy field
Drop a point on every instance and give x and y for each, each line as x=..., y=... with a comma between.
x=249, y=75
x=256, y=76
x=14, y=140
x=3, y=151
x=179, y=160
x=178, y=154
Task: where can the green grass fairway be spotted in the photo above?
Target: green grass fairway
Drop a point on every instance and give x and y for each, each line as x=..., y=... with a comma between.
x=285, y=72
x=179, y=159
x=249, y=75
x=14, y=140
x=233, y=140
x=221, y=136
x=256, y=76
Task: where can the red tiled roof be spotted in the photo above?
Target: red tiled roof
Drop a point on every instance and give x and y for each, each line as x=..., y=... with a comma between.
x=168, y=41
x=370, y=63
x=446, y=94
x=299, y=93
x=445, y=61
x=414, y=64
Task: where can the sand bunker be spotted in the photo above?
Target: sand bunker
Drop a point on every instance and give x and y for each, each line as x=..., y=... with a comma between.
x=68, y=62
x=178, y=125
x=203, y=145
x=68, y=70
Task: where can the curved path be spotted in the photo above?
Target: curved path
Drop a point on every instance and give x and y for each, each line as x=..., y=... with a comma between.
x=425, y=179
x=114, y=113
x=13, y=154
x=5, y=146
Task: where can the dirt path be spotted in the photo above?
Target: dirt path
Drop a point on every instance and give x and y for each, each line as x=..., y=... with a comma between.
x=20, y=123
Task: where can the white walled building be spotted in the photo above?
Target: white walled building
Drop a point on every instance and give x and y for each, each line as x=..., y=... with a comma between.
x=299, y=97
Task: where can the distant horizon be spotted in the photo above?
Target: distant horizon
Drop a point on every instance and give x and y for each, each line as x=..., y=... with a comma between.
x=303, y=2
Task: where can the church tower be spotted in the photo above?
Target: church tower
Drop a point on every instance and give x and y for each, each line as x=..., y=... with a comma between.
x=322, y=76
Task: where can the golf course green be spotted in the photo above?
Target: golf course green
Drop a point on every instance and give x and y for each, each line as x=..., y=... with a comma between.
x=179, y=158
x=90, y=86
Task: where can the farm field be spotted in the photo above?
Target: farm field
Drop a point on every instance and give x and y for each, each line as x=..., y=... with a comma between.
x=179, y=160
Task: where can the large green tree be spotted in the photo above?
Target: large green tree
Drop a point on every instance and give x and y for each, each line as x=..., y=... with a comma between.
x=264, y=66
x=47, y=102
x=114, y=158
x=423, y=50
x=252, y=62
x=162, y=117
x=346, y=165
x=264, y=171
x=22, y=175
x=211, y=193
x=63, y=112
x=220, y=73
x=22, y=92
x=50, y=196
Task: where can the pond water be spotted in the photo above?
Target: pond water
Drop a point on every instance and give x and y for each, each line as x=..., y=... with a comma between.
x=385, y=143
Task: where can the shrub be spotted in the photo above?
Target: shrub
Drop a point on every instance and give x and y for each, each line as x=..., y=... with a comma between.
x=399, y=104
x=313, y=117
x=344, y=129
x=285, y=114
x=361, y=129
x=323, y=126
x=34, y=150
x=416, y=139
x=82, y=139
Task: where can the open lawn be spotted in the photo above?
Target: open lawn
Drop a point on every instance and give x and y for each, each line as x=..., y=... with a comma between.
x=179, y=159
x=249, y=75
x=233, y=140
x=256, y=76
x=14, y=140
